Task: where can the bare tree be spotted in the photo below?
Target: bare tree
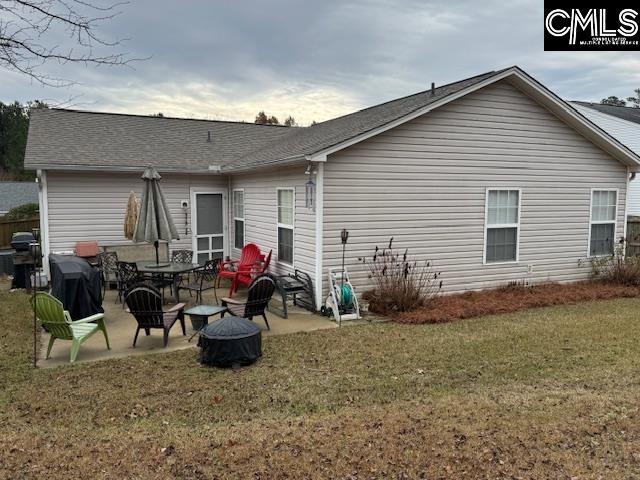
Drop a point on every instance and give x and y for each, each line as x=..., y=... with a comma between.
x=31, y=30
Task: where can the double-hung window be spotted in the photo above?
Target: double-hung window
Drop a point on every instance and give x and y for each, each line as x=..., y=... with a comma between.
x=238, y=218
x=502, y=225
x=604, y=204
x=285, y=224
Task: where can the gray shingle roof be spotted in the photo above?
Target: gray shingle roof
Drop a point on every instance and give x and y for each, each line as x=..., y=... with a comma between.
x=631, y=114
x=69, y=138
x=14, y=194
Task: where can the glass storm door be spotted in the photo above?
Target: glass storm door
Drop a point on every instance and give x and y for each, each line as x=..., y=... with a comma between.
x=209, y=226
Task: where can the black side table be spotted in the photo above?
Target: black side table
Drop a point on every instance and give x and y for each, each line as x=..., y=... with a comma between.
x=200, y=316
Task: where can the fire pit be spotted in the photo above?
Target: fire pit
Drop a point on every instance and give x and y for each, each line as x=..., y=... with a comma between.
x=230, y=342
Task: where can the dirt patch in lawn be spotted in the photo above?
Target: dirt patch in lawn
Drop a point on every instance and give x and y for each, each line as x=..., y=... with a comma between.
x=512, y=299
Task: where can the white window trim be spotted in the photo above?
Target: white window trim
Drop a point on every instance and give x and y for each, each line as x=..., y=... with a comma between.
x=284, y=225
x=501, y=225
x=233, y=211
x=600, y=222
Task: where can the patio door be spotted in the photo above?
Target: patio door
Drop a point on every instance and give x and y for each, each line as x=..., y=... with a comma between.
x=208, y=225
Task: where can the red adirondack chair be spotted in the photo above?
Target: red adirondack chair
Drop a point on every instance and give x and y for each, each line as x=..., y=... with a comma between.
x=229, y=269
x=244, y=278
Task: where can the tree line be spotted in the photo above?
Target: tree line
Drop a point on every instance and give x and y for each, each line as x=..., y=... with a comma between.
x=14, y=126
x=619, y=102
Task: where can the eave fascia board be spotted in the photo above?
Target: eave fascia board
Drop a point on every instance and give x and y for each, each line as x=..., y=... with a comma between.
x=276, y=163
x=550, y=100
x=110, y=168
x=570, y=115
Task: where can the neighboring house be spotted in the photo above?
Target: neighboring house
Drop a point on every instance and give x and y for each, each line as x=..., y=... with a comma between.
x=622, y=123
x=14, y=194
x=493, y=178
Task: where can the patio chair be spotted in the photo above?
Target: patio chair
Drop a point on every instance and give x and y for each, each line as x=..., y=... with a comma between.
x=57, y=321
x=205, y=279
x=126, y=275
x=248, y=257
x=181, y=256
x=258, y=297
x=145, y=304
x=243, y=278
x=108, y=266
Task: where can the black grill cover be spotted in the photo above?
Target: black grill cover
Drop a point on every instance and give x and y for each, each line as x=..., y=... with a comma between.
x=229, y=342
x=77, y=285
x=20, y=241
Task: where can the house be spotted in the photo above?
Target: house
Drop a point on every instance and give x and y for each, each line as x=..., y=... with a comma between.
x=15, y=194
x=622, y=123
x=494, y=178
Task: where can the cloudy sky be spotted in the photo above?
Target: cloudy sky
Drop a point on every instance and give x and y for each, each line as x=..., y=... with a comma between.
x=222, y=59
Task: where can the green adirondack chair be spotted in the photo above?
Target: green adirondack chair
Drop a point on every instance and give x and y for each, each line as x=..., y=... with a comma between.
x=56, y=320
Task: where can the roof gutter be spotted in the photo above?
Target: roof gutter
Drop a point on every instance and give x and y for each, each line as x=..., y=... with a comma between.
x=112, y=168
x=230, y=168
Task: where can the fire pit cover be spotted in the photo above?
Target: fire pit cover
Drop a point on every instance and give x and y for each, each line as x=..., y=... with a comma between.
x=230, y=342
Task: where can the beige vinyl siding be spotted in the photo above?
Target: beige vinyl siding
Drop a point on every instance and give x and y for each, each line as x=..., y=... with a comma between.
x=424, y=183
x=91, y=205
x=260, y=213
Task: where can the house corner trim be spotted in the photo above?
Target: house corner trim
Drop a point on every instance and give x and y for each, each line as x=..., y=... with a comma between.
x=319, y=231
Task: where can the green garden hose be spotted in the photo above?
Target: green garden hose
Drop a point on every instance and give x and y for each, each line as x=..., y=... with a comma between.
x=346, y=296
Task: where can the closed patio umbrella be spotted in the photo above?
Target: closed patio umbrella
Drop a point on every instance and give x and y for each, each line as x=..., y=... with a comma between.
x=154, y=221
x=131, y=216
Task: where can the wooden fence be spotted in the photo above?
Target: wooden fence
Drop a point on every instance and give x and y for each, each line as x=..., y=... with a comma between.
x=9, y=227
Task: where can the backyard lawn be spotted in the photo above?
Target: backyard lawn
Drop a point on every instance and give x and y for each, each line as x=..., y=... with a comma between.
x=545, y=393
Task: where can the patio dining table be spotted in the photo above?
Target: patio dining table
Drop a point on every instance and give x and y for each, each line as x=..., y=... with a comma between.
x=167, y=269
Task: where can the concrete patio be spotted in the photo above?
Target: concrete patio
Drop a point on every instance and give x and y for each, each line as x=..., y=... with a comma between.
x=121, y=327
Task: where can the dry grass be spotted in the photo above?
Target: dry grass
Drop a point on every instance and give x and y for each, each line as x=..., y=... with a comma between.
x=546, y=393
x=513, y=299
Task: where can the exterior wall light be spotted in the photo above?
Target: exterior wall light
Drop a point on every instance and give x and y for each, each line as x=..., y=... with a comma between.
x=310, y=194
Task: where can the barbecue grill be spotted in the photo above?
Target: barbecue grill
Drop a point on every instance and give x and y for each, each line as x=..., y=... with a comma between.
x=23, y=260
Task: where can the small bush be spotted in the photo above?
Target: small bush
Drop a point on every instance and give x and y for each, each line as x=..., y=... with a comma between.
x=400, y=283
x=617, y=268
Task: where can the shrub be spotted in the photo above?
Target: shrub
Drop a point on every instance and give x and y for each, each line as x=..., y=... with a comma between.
x=617, y=268
x=400, y=283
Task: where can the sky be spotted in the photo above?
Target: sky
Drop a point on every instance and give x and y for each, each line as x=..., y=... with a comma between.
x=314, y=60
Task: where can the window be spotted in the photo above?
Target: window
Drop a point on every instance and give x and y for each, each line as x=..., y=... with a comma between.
x=238, y=218
x=602, y=232
x=502, y=226
x=285, y=224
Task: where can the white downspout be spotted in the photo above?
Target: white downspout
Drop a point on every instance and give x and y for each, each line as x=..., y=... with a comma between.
x=319, y=231
x=626, y=211
x=229, y=241
x=43, y=201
